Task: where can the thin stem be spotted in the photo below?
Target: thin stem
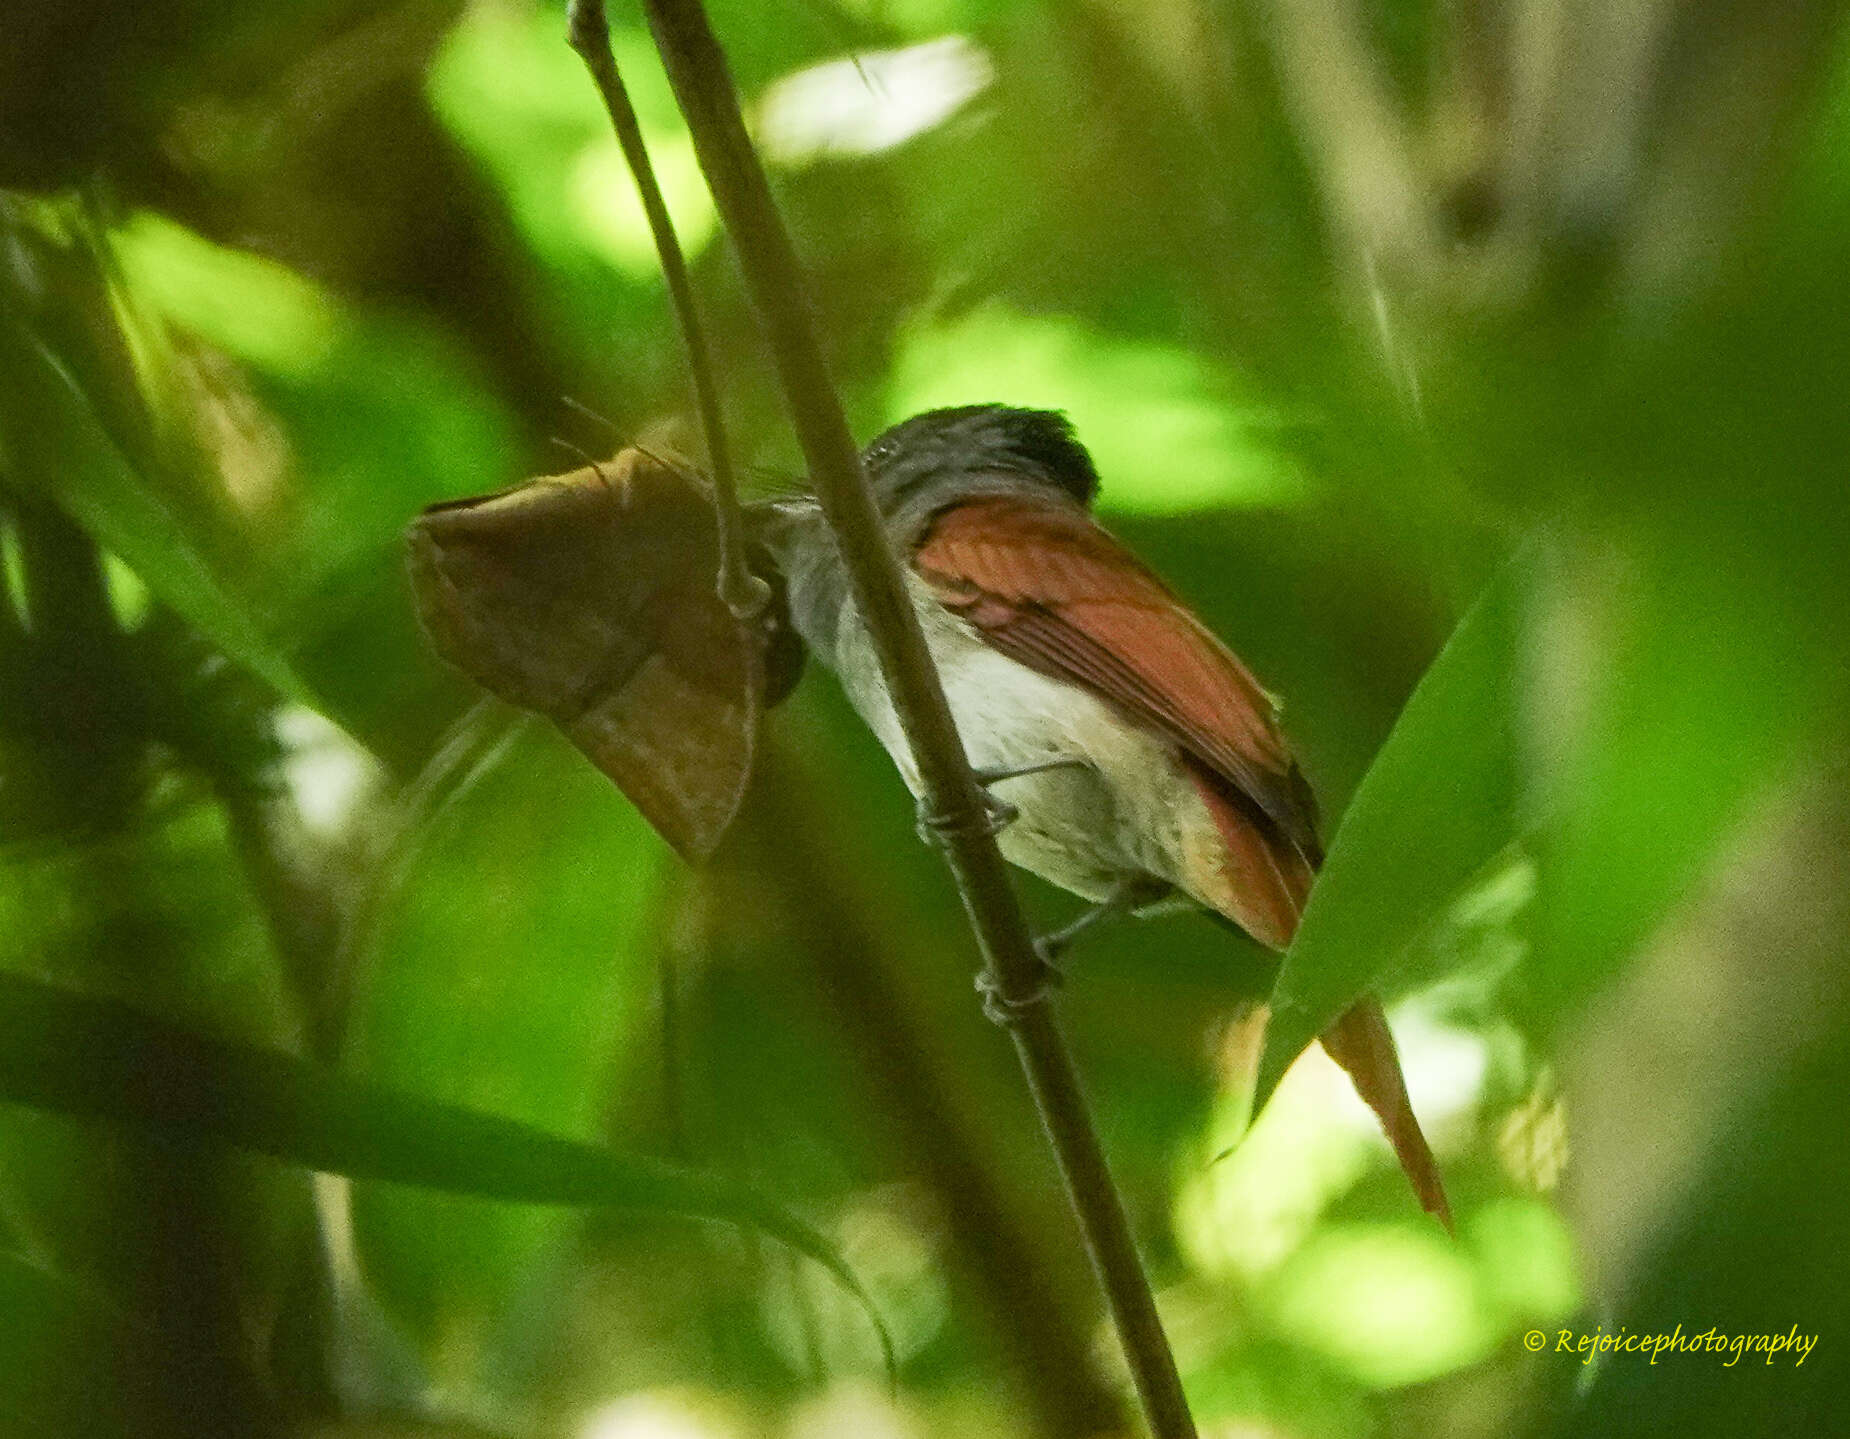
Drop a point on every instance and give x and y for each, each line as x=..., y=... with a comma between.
x=588, y=32
x=703, y=85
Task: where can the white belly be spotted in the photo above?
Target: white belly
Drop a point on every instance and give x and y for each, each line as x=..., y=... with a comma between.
x=1130, y=812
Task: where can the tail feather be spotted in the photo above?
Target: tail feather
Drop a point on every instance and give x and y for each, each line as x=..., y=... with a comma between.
x=1364, y=1046
x=1261, y=883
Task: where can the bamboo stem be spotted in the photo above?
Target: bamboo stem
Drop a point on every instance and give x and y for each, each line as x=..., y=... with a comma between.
x=703, y=85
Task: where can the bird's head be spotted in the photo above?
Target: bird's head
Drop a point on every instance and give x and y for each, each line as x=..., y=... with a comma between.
x=944, y=455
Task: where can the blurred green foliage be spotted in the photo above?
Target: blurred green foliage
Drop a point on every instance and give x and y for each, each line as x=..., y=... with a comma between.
x=1385, y=324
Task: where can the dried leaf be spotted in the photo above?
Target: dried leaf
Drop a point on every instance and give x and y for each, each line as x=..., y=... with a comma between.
x=589, y=597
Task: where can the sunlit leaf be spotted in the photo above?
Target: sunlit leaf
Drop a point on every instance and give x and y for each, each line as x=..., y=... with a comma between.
x=248, y=306
x=1439, y=801
x=870, y=101
x=1168, y=431
x=1393, y=1304
x=1526, y=1260
x=517, y=97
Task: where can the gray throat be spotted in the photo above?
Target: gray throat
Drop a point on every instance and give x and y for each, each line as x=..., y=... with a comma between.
x=815, y=579
x=799, y=538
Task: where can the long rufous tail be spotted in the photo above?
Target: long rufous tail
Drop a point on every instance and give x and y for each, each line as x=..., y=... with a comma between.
x=1261, y=882
x=1363, y=1045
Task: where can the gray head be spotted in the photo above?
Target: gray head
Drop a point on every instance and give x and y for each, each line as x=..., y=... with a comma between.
x=941, y=456
x=918, y=468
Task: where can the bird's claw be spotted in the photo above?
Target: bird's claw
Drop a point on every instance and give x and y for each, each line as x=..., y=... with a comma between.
x=1005, y=1009
x=935, y=827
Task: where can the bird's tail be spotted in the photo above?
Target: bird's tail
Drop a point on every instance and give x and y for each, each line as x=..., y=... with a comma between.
x=1362, y=1044
x=1263, y=882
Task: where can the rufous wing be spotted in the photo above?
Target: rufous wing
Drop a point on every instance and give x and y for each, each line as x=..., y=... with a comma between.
x=1049, y=588
x=1052, y=590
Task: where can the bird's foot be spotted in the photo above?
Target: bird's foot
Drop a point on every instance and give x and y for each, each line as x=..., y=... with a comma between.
x=935, y=827
x=1052, y=948
x=1006, y=1009
x=1131, y=893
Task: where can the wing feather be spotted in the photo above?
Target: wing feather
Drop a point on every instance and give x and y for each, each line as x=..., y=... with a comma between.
x=1047, y=587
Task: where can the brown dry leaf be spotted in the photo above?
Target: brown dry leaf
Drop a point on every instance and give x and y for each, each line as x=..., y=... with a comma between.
x=589, y=597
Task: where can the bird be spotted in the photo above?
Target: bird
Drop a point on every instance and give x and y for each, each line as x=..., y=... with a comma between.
x=1135, y=760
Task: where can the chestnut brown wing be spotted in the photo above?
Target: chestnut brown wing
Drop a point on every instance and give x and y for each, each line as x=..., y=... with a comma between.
x=1049, y=588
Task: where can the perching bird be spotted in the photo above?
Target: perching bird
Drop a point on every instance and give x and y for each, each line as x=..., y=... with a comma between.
x=1137, y=756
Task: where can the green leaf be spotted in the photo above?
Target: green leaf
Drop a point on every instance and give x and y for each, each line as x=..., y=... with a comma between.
x=506, y=966
x=103, y=1060
x=1439, y=801
x=54, y=437
x=517, y=100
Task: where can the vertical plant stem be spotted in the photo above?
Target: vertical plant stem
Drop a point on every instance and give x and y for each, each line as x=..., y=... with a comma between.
x=588, y=31
x=703, y=86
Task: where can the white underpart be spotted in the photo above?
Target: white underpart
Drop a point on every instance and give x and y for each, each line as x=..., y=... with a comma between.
x=1131, y=811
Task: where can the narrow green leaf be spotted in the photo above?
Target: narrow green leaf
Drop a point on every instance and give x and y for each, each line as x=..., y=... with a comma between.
x=99, y=1059
x=1440, y=799
x=55, y=440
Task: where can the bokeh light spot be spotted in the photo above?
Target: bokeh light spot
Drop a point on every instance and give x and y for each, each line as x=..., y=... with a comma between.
x=1170, y=433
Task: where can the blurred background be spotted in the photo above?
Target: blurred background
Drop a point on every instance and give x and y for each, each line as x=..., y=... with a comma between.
x=1360, y=306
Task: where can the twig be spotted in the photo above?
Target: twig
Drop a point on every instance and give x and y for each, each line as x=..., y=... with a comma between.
x=703, y=85
x=588, y=31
